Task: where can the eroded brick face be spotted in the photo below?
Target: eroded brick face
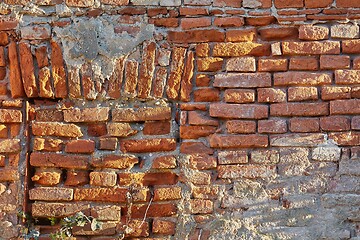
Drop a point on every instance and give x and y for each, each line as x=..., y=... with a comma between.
x=169, y=119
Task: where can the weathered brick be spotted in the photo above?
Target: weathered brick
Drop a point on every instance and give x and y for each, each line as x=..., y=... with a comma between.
x=27, y=70
x=195, y=148
x=116, y=79
x=355, y=123
x=206, y=192
x=86, y=115
x=271, y=95
x=79, y=3
x=159, y=82
x=9, y=175
x=272, y=126
x=196, y=36
x=278, y=33
x=116, y=2
x=10, y=146
x=347, y=3
x=58, y=70
x=318, y=4
x=201, y=206
x=335, y=92
x=167, y=161
x=296, y=94
x=176, y=70
x=202, y=161
x=4, y=39
x=194, y=132
x=104, y=179
x=240, y=126
x=232, y=157
x=347, y=76
x=197, y=118
x=272, y=65
x=299, y=109
x=228, y=21
x=147, y=69
x=209, y=64
x=264, y=156
x=344, y=31
x=304, y=63
x=242, y=80
x=241, y=64
x=58, y=160
x=163, y=227
x=141, y=114
x=351, y=46
x=118, y=161
x=148, y=179
x=51, y=145
x=298, y=140
x=155, y=210
x=108, y=143
x=238, y=141
x=186, y=81
x=80, y=146
x=206, y=95
x=51, y=194
x=120, y=130
x=241, y=35
x=311, y=32
x=148, y=145
x=304, y=125
x=56, y=129
x=114, y=194
x=97, y=130
x=202, y=50
x=45, y=89
x=250, y=111
x=76, y=178
x=334, y=62
x=193, y=11
x=239, y=96
x=301, y=78
x=106, y=212
x=39, y=209
x=289, y=4
x=10, y=116
x=260, y=21
x=311, y=48
x=345, y=107
x=335, y=123
x=42, y=31
x=190, y=23
x=157, y=128
x=241, y=49
x=246, y=171
x=346, y=138
x=167, y=193
x=16, y=85
x=47, y=177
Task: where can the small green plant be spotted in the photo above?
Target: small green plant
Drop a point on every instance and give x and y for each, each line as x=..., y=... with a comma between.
x=67, y=224
x=28, y=231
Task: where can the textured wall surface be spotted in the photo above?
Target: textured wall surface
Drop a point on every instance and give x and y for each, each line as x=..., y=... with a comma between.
x=181, y=119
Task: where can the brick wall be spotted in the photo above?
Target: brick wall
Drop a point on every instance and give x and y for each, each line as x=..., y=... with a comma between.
x=169, y=119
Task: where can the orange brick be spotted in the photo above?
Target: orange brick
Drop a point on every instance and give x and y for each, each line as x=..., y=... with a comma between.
x=241, y=35
x=80, y=146
x=334, y=62
x=229, y=21
x=303, y=63
x=304, y=125
x=190, y=23
x=240, y=126
x=272, y=65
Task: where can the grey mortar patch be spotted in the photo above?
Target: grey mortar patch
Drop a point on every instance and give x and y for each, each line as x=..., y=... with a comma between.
x=95, y=41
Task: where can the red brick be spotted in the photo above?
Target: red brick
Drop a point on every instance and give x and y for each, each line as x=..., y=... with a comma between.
x=168, y=161
x=176, y=71
x=241, y=49
x=201, y=206
x=141, y=114
x=58, y=160
x=51, y=194
x=195, y=148
x=355, y=123
x=193, y=11
x=186, y=80
x=47, y=177
x=271, y=34
x=2, y=57
x=159, y=82
x=148, y=179
x=335, y=123
x=58, y=70
x=131, y=78
x=2, y=161
x=301, y=78
x=272, y=126
x=189, y=23
x=116, y=79
x=304, y=125
x=193, y=106
x=49, y=115
x=334, y=62
x=163, y=227
x=299, y=109
x=238, y=141
x=355, y=92
x=27, y=70
x=202, y=161
x=250, y=111
x=74, y=82
x=97, y=130
x=229, y=21
x=51, y=145
x=16, y=85
x=335, y=92
x=194, y=132
x=209, y=64
x=87, y=80
x=114, y=194
x=155, y=210
x=240, y=126
x=206, y=192
x=76, y=178
x=351, y=46
x=197, y=118
x=311, y=48
x=246, y=171
x=146, y=70
x=196, y=36
x=119, y=161
x=347, y=76
x=10, y=116
x=239, y=95
x=105, y=179
x=148, y=145
x=227, y=3
x=318, y=4
x=156, y=128
x=346, y=138
x=345, y=107
x=242, y=80
x=79, y=3
x=232, y=157
x=206, y=95
x=296, y=94
x=348, y=3
x=56, y=129
x=289, y=4
x=241, y=35
x=108, y=144
x=152, y=12
x=116, y=2
x=8, y=175
x=260, y=21
x=8, y=23
x=45, y=89
x=80, y=146
x=356, y=63
x=120, y=130
x=304, y=63
x=271, y=95
x=4, y=39
x=272, y=65
x=202, y=50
